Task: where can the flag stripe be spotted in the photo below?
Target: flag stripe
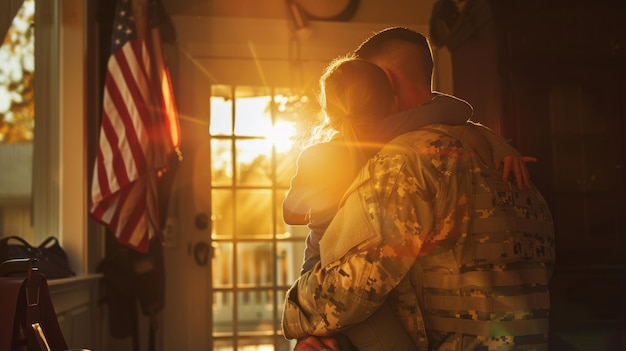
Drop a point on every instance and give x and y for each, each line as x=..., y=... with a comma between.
x=116, y=176
x=121, y=123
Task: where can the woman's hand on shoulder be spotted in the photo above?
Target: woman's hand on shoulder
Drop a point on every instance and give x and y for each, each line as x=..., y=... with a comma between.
x=517, y=165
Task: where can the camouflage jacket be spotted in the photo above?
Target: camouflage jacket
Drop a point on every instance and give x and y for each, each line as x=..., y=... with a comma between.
x=462, y=256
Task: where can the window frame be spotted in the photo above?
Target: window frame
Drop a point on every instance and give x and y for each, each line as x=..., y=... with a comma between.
x=60, y=181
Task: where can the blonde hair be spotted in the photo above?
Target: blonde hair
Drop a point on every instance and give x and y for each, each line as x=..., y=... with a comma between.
x=355, y=94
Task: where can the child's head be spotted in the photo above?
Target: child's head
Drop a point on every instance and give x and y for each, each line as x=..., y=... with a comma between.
x=355, y=92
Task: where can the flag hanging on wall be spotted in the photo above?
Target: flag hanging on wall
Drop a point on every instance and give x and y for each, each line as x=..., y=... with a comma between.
x=140, y=130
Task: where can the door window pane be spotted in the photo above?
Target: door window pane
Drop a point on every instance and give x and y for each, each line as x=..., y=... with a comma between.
x=254, y=164
x=252, y=111
x=222, y=213
x=223, y=313
x=221, y=110
x=221, y=162
x=222, y=266
x=256, y=268
x=254, y=213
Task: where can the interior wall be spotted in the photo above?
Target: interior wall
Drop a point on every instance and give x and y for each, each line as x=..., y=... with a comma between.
x=368, y=11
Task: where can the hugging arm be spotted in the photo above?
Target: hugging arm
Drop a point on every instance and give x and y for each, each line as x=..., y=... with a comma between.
x=505, y=156
x=348, y=290
x=441, y=109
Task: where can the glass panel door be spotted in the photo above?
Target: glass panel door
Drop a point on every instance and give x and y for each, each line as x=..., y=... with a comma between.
x=255, y=255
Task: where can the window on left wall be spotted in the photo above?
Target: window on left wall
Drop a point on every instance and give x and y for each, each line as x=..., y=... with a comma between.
x=43, y=190
x=17, y=122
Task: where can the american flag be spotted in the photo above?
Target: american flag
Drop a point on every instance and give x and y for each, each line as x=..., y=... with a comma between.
x=140, y=128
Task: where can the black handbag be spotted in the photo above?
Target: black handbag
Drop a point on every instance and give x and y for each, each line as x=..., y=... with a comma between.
x=49, y=257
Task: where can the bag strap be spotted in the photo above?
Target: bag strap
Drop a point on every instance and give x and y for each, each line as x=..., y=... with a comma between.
x=48, y=240
x=14, y=237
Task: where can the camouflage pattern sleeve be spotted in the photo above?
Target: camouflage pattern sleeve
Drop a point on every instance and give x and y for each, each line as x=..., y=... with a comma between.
x=345, y=291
